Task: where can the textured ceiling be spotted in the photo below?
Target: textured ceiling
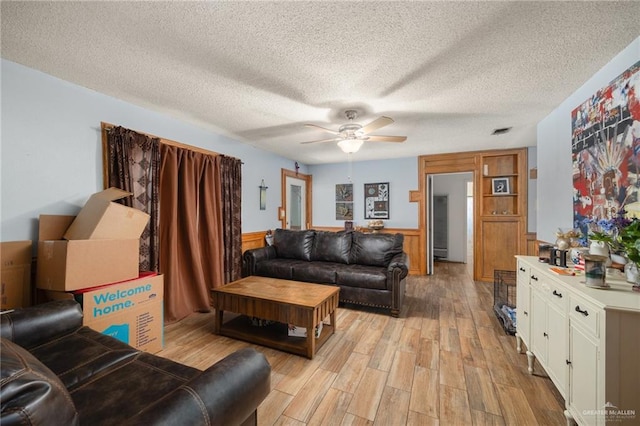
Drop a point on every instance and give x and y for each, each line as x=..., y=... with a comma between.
x=447, y=72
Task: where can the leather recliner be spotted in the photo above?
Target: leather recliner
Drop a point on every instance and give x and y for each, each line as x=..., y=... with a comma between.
x=57, y=372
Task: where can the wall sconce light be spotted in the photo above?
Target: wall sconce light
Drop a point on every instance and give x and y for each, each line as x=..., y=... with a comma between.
x=263, y=196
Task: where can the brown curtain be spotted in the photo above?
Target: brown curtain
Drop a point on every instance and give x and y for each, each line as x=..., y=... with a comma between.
x=134, y=164
x=231, y=181
x=190, y=230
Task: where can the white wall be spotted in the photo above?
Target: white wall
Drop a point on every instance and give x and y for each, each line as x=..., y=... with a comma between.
x=555, y=184
x=454, y=186
x=402, y=175
x=51, y=151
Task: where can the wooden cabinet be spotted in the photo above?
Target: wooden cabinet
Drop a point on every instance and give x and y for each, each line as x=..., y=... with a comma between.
x=586, y=339
x=583, y=395
x=549, y=330
x=502, y=200
x=523, y=304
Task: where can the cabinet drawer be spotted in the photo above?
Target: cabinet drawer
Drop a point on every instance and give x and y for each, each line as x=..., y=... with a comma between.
x=585, y=313
x=558, y=296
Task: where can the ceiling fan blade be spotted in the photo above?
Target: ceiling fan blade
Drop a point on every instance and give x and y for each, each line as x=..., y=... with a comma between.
x=376, y=138
x=375, y=125
x=333, y=132
x=322, y=141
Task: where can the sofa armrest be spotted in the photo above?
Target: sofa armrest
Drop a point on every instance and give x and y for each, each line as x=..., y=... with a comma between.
x=32, y=326
x=31, y=394
x=400, y=261
x=252, y=257
x=226, y=393
x=396, y=272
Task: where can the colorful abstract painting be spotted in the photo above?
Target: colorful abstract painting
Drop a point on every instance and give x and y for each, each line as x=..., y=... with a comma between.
x=606, y=151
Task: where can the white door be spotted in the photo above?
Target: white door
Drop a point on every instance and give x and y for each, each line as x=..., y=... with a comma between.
x=296, y=202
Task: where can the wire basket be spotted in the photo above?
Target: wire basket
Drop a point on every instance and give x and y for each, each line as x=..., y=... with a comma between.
x=504, y=299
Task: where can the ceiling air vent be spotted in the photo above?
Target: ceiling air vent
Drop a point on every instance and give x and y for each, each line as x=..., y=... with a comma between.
x=501, y=131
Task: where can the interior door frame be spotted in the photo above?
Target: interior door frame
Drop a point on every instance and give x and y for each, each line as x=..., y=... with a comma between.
x=444, y=164
x=284, y=173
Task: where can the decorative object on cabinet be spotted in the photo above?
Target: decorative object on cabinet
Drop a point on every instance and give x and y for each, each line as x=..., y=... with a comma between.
x=376, y=200
x=595, y=270
x=544, y=252
x=500, y=186
x=263, y=195
x=375, y=225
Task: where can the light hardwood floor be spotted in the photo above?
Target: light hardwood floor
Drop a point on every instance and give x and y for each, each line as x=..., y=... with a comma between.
x=445, y=361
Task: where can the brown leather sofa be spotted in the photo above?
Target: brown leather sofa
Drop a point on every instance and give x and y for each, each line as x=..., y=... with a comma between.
x=57, y=372
x=370, y=269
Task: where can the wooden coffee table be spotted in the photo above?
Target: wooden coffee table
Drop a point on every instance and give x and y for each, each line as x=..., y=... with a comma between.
x=287, y=302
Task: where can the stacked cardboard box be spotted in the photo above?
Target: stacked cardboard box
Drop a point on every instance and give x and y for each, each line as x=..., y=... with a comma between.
x=15, y=284
x=94, y=259
x=131, y=311
x=99, y=246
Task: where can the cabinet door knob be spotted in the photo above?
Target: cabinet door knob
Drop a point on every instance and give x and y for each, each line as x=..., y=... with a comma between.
x=545, y=334
x=533, y=277
x=525, y=312
x=555, y=293
x=585, y=313
x=568, y=362
x=522, y=269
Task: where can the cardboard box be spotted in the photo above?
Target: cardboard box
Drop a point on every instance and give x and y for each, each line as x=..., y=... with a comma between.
x=101, y=218
x=131, y=311
x=71, y=265
x=15, y=271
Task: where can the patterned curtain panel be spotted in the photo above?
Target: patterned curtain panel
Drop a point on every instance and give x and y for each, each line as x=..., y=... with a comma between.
x=134, y=165
x=231, y=181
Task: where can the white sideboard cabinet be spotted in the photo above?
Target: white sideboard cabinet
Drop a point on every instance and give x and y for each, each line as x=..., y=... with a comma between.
x=586, y=339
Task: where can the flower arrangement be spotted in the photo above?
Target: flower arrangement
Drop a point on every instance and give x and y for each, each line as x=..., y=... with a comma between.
x=621, y=235
x=628, y=239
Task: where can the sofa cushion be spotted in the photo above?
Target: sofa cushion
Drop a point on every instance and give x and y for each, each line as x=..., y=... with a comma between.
x=362, y=276
x=81, y=355
x=31, y=393
x=122, y=392
x=331, y=247
x=278, y=268
x=316, y=272
x=293, y=244
x=375, y=249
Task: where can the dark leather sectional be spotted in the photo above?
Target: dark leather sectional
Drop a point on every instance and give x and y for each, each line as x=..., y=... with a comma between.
x=370, y=269
x=57, y=372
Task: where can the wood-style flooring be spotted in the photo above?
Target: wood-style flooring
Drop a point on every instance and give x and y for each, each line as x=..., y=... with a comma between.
x=445, y=361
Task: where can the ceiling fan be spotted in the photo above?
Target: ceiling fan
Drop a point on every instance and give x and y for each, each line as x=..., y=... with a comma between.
x=351, y=136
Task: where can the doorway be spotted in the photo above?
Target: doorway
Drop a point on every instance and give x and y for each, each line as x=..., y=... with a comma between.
x=296, y=200
x=449, y=218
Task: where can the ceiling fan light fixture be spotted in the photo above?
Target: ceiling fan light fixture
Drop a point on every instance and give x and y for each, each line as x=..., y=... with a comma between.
x=350, y=146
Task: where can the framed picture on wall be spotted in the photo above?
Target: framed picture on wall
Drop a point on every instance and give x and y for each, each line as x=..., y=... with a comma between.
x=500, y=186
x=376, y=200
x=344, y=201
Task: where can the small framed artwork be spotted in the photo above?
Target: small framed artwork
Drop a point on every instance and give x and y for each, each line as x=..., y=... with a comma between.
x=500, y=186
x=344, y=201
x=376, y=200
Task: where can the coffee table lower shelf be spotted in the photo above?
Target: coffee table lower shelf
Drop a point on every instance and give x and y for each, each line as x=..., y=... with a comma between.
x=273, y=336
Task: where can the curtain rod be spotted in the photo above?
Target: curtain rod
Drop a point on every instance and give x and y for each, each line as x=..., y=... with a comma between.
x=109, y=126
